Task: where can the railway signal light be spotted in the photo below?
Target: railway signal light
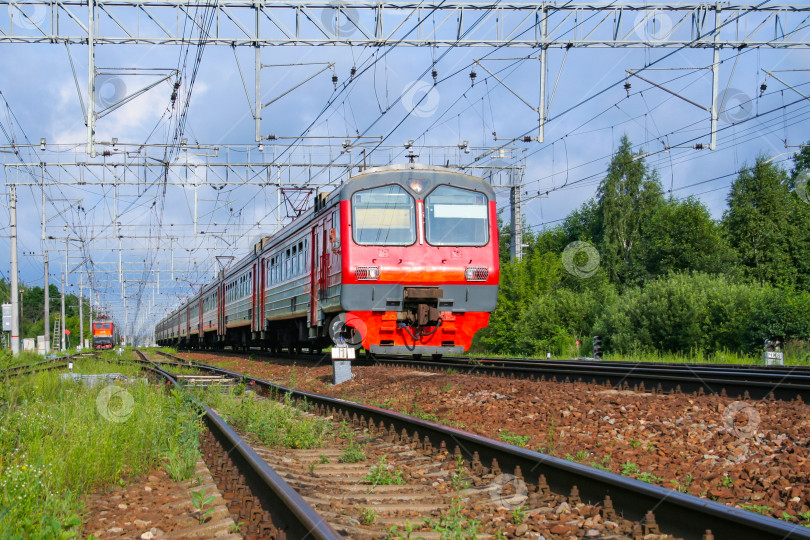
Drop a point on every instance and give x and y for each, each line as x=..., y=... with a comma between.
x=597, y=347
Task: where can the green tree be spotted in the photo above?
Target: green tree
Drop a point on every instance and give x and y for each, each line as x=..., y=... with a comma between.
x=681, y=235
x=799, y=220
x=585, y=223
x=32, y=316
x=520, y=283
x=760, y=225
x=626, y=199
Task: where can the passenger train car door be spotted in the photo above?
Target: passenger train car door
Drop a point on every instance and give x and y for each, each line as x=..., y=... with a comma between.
x=326, y=233
x=221, y=308
x=314, y=278
x=258, y=294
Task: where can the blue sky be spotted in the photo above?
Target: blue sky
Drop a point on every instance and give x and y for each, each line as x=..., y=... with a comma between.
x=590, y=111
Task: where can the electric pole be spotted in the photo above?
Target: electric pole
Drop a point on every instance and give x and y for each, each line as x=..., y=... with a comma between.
x=64, y=345
x=15, y=295
x=81, y=315
x=47, y=309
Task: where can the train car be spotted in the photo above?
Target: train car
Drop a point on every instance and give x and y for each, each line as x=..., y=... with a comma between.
x=103, y=333
x=399, y=259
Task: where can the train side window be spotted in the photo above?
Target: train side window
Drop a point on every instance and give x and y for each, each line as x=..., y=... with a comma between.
x=294, y=261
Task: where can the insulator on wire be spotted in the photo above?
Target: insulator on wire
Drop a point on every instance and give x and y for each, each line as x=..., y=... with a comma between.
x=473, y=75
x=435, y=76
x=353, y=72
x=335, y=80
x=627, y=86
x=762, y=89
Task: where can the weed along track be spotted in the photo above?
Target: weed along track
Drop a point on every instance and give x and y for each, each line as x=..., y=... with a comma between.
x=101, y=452
x=376, y=473
x=369, y=482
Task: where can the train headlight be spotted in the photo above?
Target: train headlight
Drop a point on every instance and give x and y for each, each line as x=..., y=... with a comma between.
x=367, y=273
x=476, y=273
x=418, y=185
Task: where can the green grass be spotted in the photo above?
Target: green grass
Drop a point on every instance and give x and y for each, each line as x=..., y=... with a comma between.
x=55, y=447
x=275, y=424
x=368, y=516
x=454, y=523
x=353, y=454
x=512, y=438
x=795, y=355
x=381, y=475
x=90, y=366
x=649, y=478
x=758, y=508
x=416, y=410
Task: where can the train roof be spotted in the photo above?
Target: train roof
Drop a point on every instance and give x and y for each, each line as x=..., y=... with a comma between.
x=404, y=173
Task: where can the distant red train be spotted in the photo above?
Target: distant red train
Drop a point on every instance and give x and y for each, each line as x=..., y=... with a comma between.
x=399, y=259
x=103, y=333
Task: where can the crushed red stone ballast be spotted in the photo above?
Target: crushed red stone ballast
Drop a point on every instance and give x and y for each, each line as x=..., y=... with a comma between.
x=752, y=454
x=156, y=507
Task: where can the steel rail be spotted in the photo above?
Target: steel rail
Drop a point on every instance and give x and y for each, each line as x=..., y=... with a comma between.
x=32, y=367
x=589, y=361
x=33, y=370
x=676, y=513
x=758, y=384
x=297, y=518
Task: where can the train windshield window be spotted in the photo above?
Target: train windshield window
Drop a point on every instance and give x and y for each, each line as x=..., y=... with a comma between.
x=456, y=217
x=384, y=216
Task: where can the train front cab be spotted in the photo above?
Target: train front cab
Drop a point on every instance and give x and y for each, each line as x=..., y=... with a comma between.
x=103, y=332
x=420, y=259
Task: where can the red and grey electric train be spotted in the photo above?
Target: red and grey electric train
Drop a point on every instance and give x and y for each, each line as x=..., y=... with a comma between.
x=399, y=259
x=103, y=333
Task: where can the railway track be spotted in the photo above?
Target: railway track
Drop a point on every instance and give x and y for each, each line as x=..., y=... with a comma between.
x=746, y=382
x=257, y=497
x=755, y=382
x=549, y=482
x=255, y=494
x=46, y=365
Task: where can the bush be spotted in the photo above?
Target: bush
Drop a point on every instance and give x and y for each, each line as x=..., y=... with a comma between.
x=687, y=312
x=782, y=314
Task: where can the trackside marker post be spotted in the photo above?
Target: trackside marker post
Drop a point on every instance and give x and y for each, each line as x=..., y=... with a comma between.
x=342, y=357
